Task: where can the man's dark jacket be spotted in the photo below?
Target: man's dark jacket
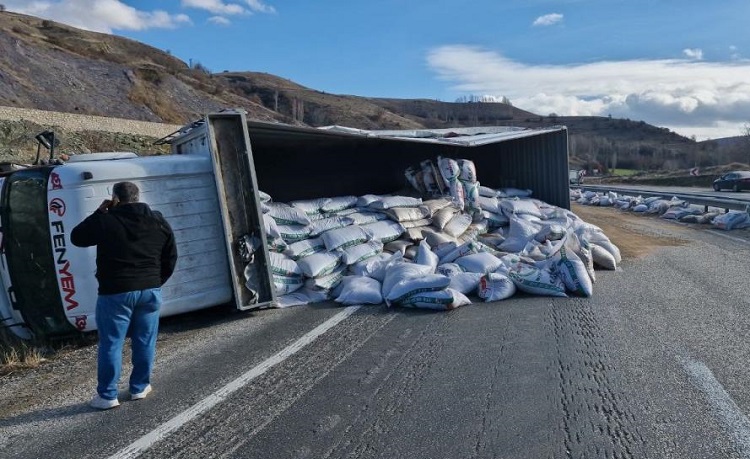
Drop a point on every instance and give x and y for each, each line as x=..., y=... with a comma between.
x=135, y=247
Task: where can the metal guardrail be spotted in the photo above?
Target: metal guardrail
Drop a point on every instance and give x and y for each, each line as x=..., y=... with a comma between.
x=696, y=198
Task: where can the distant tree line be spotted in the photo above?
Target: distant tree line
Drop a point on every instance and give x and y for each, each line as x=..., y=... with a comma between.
x=605, y=153
x=483, y=99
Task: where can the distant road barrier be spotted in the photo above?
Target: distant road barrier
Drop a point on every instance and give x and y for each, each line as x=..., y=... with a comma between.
x=697, y=198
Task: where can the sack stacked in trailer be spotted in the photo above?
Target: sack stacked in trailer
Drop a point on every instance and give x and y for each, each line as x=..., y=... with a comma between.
x=455, y=238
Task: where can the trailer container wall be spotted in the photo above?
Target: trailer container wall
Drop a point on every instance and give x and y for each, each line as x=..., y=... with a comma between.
x=302, y=163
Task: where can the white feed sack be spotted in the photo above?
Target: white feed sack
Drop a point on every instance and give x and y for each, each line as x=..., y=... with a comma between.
x=319, y=264
x=342, y=238
x=536, y=281
x=318, y=227
x=409, y=286
x=389, y=202
x=513, y=193
x=305, y=247
x=467, y=248
x=360, y=252
x=441, y=300
x=602, y=257
x=487, y=192
x=495, y=287
x=338, y=203
x=309, y=206
x=518, y=206
x=287, y=284
x=283, y=265
x=449, y=269
x=269, y=224
x=457, y=225
x=397, y=246
x=328, y=281
x=520, y=233
x=383, y=231
x=359, y=290
x=364, y=217
x=285, y=214
x=441, y=217
x=374, y=267
x=466, y=283
x=572, y=271
x=399, y=270
x=407, y=214
x=293, y=233
x=434, y=205
x=732, y=220
x=482, y=263
x=416, y=223
x=425, y=256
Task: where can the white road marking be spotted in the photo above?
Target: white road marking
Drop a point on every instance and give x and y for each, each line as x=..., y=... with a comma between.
x=729, y=414
x=162, y=431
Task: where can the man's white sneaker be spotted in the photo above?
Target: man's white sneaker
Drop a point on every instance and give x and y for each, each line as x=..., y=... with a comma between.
x=141, y=395
x=102, y=403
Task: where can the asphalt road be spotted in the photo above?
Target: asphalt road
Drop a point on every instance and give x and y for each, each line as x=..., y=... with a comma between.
x=653, y=365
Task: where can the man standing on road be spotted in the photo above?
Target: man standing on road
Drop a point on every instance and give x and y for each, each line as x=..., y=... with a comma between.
x=135, y=255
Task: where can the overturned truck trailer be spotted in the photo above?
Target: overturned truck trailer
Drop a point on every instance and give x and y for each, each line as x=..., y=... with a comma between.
x=208, y=191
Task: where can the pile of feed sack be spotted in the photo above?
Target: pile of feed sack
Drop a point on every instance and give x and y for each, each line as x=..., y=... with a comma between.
x=671, y=209
x=435, y=246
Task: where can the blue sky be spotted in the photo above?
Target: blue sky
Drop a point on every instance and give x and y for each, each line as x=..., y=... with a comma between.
x=680, y=64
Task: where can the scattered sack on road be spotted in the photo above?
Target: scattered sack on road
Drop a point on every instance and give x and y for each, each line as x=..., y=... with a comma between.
x=495, y=287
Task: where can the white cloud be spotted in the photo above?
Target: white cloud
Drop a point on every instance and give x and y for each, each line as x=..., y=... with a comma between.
x=228, y=8
x=219, y=20
x=673, y=93
x=98, y=15
x=693, y=53
x=215, y=6
x=548, y=19
x=260, y=7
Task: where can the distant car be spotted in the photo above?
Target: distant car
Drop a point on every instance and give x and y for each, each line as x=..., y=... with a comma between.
x=735, y=181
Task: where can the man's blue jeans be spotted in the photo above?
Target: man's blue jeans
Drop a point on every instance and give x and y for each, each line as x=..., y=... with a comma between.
x=138, y=313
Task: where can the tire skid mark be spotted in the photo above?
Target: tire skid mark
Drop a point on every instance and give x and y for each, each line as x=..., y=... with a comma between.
x=586, y=392
x=363, y=437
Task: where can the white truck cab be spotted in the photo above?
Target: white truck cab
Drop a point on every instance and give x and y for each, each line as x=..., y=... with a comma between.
x=49, y=286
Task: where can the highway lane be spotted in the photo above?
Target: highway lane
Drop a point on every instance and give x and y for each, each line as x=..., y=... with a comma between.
x=653, y=365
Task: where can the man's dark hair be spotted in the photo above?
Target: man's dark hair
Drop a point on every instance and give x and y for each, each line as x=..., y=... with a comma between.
x=126, y=192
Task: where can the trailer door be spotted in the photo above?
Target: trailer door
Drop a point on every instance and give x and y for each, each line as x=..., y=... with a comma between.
x=244, y=231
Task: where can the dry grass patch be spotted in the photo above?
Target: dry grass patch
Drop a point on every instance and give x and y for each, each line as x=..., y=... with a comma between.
x=16, y=354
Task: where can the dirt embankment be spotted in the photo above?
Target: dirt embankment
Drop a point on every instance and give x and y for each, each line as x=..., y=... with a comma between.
x=18, y=144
